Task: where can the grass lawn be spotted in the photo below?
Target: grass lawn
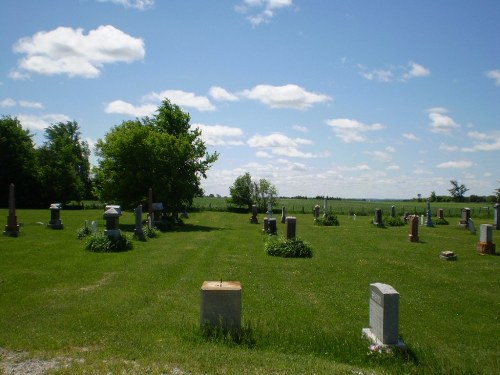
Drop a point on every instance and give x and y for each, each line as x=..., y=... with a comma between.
x=138, y=311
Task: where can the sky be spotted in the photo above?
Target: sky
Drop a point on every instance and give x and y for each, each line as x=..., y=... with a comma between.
x=341, y=98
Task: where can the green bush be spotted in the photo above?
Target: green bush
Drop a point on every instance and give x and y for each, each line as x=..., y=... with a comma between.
x=328, y=220
x=101, y=243
x=440, y=221
x=396, y=221
x=82, y=232
x=293, y=248
x=150, y=232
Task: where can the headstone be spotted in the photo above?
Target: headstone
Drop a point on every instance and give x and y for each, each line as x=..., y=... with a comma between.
x=393, y=211
x=112, y=215
x=413, y=236
x=496, y=214
x=269, y=207
x=291, y=227
x=254, y=219
x=354, y=217
x=150, y=202
x=283, y=214
x=429, y=223
x=12, y=228
x=221, y=305
x=157, y=212
x=384, y=316
x=55, y=216
x=378, y=218
x=316, y=212
x=464, y=219
x=447, y=255
x=325, y=206
x=94, y=227
x=422, y=220
x=272, y=226
x=471, y=226
x=485, y=244
x=266, y=225
x=440, y=213
x=150, y=221
x=138, y=232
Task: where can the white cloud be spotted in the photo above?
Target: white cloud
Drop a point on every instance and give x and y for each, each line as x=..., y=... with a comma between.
x=261, y=10
x=288, y=96
x=393, y=168
x=300, y=128
x=220, y=135
x=448, y=148
x=416, y=71
x=124, y=108
x=263, y=154
x=494, y=75
x=483, y=141
x=68, y=51
x=457, y=164
x=137, y=4
x=421, y=171
x=182, y=99
x=383, y=156
x=34, y=122
x=350, y=131
x=411, y=136
x=221, y=94
x=478, y=136
x=282, y=145
x=440, y=122
x=8, y=102
x=356, y=168
x=378, y=75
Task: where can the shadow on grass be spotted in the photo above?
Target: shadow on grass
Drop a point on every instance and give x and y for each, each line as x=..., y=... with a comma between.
x=195, y=228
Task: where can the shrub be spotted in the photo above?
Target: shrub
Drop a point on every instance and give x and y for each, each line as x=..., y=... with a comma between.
x=328, y=220
x=440, y=221
x=292, y=248
x=396, y=221
x=101, y=243
x=150, y=232
x=82, y=232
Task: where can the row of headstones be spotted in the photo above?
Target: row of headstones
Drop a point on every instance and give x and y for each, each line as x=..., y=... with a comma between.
x=220, y=307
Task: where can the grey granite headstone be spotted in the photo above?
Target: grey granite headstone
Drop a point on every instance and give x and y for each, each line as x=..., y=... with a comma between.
x=471, y=226
x=496, y=215
x=138, y=232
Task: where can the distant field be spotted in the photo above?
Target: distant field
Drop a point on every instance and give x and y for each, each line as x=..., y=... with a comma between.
x=358, y=207
x=138, y=312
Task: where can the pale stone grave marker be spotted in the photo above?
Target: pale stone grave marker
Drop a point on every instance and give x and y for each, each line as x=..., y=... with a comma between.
x=485, y=244
x=471, y=226
x=496, y=214
x=112, y=217
x=221, y=305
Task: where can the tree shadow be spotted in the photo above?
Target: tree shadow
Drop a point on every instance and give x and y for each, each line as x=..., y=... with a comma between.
x=194, y=228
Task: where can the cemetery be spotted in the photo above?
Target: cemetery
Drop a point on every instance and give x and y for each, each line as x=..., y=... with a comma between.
x=371, y=299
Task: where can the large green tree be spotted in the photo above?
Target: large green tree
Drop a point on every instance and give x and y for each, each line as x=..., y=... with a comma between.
x=161, y=152
x=263, y=193
x=457, y=191
x=64, y=164
x=17, y=163
x=242, y=191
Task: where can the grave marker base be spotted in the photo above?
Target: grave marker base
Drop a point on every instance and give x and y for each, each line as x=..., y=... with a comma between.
x=368, y=334
x=485, y=248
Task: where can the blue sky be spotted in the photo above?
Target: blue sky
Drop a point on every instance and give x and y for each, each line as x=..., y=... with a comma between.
x=352, y=99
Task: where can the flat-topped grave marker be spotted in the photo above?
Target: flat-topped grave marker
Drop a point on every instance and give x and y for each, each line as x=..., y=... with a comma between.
x=12, y=228
x=464, y=219
x=378, y=218
x=221, y=305
x=413, y=235
x=291, y=227
x=485, y=244
x=384, y=316
x=55, y=216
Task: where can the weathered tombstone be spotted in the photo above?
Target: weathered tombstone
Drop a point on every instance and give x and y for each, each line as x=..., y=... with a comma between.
x=413, y=236
x=447, y=255
x=94, y=227
x=266, y=225
x=429, y=223
x=138, y=232
x=325, y=207
x=440, y=213
x=422, y=220
x=354, y=217
x=464, y=220
x=393, y=211
x=316, y=212
x=291, y=227
x=12, y=228
x=283, y=214
x=221, y=305
x=496, y=215
x=272, y=225
x=254, y=219
x=485, y=244
x=269, y=207
x=378, y=218
x=157, y=212
x=112, y=215
x=150, y=221
x=55, y=216
x=471, y=226
x=150, y=202
x=384, y=316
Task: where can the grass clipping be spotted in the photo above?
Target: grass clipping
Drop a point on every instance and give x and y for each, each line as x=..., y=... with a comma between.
x=288, y=248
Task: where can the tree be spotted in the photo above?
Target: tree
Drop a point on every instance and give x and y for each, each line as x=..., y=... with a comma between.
x=433, y=197
x=161, y=152
x=263, y=192
x=497, y=193
x=242, y=191
x=64, y=164
x=17, y=163
x=457, y=191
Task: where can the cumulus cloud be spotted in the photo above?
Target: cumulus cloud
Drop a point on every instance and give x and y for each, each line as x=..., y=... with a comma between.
x=456, y=164
x=34, y=122
x=282, y=145
x=440, y=121
x=182, y=99
x=494, y=75
x=123, y=108
x=220, y=135
x=221, y=94
x=300, y=128
x=416, y=71
x=394, y=73
x=287, y=96
x=137, y=4
x=411, y=136
x=382, y=155
x=448, y=148
x=350, y=131
x=378, y=75
x=9, y=102
x=483, y=141
x=69, y=51
x=261, y=11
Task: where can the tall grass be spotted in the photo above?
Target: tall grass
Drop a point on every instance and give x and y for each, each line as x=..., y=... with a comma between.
x=138, y=311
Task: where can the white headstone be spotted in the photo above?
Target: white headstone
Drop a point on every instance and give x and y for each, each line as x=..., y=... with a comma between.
x=94, y=226
x=472, y=227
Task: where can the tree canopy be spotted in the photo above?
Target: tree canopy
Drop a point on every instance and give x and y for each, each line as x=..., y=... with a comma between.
x=161, y=152
x=245, y=192
x=457, y=191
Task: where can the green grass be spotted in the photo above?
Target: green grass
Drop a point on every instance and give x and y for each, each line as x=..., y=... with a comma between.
x=138, y=311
